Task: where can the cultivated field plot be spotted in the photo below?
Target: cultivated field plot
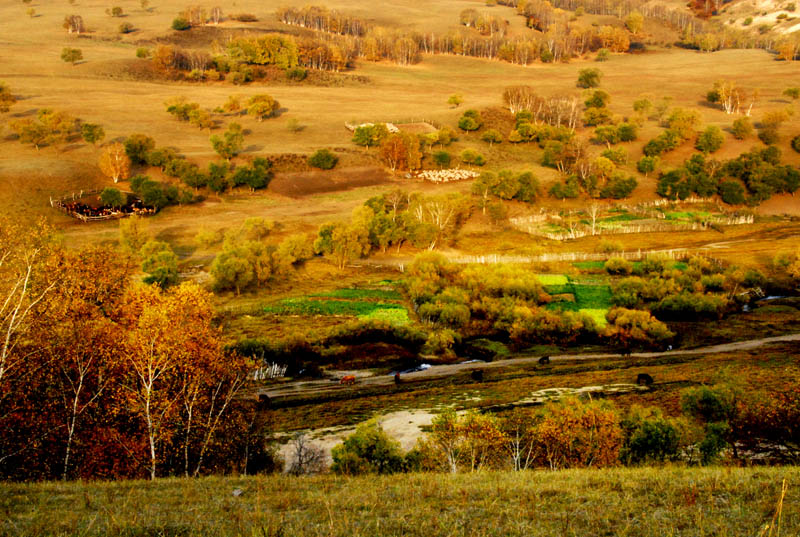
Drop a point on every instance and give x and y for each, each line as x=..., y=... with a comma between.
x=591, y=296
x=364, y=304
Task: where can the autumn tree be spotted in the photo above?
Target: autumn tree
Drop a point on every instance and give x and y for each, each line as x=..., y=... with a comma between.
x=401, y=152
x=455, y=100
x=133, y=233
x=626, y=327
x=7, y=99
x=167, y=335
x=634, y=22
x=262, y=106
x=114, y=162
x=49, y=128
x=74, y=24
x=573, y=434
x=71, y=55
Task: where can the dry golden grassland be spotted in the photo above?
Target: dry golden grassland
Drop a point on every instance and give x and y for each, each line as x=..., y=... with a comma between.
x=643, y=502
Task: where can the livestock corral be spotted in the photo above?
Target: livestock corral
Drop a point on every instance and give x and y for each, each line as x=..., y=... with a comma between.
x=447, y=176
x=87, y=207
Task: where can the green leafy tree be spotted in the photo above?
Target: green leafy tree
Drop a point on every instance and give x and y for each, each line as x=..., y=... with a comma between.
x=92, y=133
x=442, y=159
x=492, y=136
x=133, y=233
x=323, y=159
x=137, y=146
x=648, y=165
x=71, y=55
x=370, y=135
x=589, y=78
x=230, y=143
x=455, y=100
x=793, y=93
x=470, y=121
x=180, y=24
x=369, y=450
x=742, y=128
x=344, y=242
x=710, y=140
x=160, y=263
x=111, y=197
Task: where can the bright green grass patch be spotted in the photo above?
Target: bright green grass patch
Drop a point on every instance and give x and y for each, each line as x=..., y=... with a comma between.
x=624, y=217
x=380, y=294
x=305, y=306
x=599, y=315
x=593, y=296
x=390, y=315
x=686, y=215
x=552, y=279
x=558, y=289
x=589, y=265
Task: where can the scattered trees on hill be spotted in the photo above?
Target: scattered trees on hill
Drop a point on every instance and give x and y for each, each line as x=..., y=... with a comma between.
x=248, y=261
x=470, y=121
x=50, y=127
x=731, y=98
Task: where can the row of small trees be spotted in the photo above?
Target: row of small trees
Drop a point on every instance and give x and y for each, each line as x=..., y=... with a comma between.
x=717, y=420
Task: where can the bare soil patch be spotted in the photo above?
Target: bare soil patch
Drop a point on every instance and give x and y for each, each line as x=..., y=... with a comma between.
x=315, y=182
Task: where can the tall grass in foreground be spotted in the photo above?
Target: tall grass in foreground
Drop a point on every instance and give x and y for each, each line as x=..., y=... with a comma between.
x=662, y=502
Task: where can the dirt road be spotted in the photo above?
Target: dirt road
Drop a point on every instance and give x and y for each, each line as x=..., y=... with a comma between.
x=368, y=379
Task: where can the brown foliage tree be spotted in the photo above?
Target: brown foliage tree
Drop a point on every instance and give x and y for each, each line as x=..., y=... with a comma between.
x=115, y=163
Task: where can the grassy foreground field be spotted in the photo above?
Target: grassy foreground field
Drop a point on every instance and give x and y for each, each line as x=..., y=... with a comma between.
x=723, y=502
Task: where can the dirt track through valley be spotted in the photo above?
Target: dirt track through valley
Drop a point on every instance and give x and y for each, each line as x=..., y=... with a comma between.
x=367, y=379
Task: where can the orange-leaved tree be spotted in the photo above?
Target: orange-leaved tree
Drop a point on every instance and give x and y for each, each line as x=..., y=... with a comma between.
x=115, y=163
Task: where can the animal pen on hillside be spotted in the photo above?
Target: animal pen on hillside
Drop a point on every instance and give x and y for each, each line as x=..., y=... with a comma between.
x=72, y=206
